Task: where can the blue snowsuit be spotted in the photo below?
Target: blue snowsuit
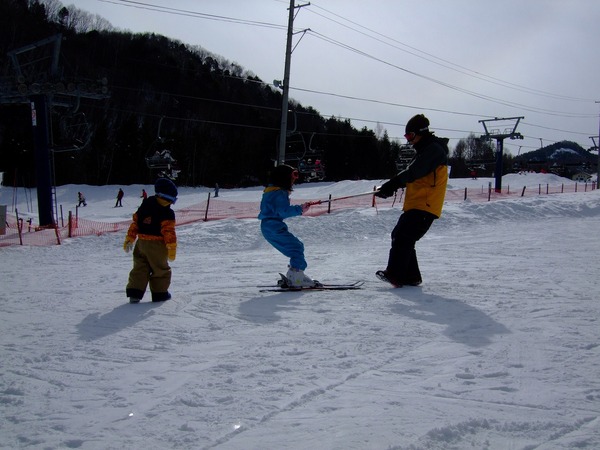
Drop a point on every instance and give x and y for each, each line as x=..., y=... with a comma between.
x=274, y=207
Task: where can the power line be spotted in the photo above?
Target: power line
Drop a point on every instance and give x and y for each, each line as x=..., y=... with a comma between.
x=381, y=102
x=464, y=70
x=194, y=14
x=177, y=11
x=448, y=85
x=184, y=12
x=457, y=67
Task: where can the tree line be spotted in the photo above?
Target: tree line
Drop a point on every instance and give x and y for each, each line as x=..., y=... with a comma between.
x=218, y=120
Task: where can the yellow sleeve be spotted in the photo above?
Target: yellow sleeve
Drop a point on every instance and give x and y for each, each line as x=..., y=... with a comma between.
x=132, y=232
x=167, y=229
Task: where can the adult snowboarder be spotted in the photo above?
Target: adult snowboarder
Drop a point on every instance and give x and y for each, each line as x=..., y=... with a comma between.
x=425, y=180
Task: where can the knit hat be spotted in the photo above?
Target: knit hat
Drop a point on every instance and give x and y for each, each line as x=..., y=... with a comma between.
x=166, y=189
x=281, y=176
x=417, y=124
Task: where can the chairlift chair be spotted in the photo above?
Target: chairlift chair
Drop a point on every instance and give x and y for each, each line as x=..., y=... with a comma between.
x=159, y=157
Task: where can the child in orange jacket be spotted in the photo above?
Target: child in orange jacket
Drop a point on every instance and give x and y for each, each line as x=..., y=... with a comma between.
x=154, y=228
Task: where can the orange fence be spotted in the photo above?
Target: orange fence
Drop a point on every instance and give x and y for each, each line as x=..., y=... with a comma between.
x=19, y=232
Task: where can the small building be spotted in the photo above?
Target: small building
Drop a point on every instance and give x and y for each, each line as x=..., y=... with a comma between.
x=582, y=176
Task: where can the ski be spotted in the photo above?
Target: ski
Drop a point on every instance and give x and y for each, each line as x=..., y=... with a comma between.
x=283, y=285
x=341, y=285
x=322, y=287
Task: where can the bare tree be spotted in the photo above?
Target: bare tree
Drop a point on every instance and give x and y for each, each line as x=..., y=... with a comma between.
x=52, y=8
x=474, y=149
x=379, y=131
x=460, y=150
x=73, y=18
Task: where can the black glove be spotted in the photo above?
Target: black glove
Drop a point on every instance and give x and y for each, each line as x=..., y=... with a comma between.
x=386, y=190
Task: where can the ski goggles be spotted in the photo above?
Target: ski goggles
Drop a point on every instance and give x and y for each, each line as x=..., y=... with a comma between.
x=410, y=136
x=167, y=197
x=295, y=175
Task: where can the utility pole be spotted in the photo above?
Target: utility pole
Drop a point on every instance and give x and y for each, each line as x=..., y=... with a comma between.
x=598, y=148
x=509, y=133
x=286, y=84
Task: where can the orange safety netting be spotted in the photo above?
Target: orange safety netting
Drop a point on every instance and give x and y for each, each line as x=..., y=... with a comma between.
x=218, y=209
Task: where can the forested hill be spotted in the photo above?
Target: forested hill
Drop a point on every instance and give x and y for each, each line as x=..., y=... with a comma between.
x=219, y=120
x=564, y=152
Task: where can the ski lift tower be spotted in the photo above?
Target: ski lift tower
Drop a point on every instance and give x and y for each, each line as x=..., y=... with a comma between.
x=510, y=133
x=598, y=147
x=38, y=82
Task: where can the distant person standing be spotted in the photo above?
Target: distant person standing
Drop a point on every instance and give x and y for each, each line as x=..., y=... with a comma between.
x=216, y=189
x=119, y=198
x=81, y=199
x=425, y=180
x=144, y=194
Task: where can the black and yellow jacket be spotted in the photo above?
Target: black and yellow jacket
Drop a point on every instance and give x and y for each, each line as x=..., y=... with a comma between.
x=426, y=176
x=154, y=221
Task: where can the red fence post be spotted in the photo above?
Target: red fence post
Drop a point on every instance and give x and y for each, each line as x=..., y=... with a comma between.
x=57, y=232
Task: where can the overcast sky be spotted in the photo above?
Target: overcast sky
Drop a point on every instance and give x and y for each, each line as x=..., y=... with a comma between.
x=382, y=61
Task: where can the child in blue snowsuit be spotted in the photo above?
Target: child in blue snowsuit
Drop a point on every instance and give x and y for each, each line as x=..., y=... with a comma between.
x=274, y=208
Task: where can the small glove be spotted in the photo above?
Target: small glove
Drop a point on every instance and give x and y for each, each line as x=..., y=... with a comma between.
x=127, y=245
x=385, y=191
x=305, y=207
x=171, y=252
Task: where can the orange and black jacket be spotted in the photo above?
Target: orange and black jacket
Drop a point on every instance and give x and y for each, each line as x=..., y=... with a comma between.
x=154, y=221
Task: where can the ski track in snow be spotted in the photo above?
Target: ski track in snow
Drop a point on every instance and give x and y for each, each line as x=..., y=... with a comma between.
x=498, y=349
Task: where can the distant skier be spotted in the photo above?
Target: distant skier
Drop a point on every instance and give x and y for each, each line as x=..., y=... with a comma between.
x=120, y=195
x=216, y=189
x=144, y=194
x=274, y=208
x=81, y=199
x=154, y=228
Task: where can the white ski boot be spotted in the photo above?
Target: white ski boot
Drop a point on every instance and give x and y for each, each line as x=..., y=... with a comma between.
x=299, y=279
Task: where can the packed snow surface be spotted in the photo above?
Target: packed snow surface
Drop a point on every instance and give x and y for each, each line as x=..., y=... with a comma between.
x=498, y=349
